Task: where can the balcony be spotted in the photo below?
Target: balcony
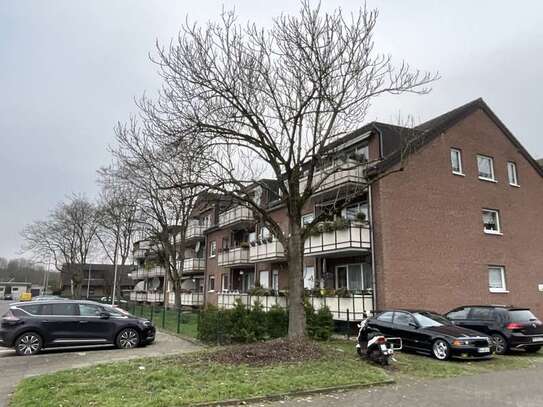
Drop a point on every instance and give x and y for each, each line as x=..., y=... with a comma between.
x=234, y=257
x=140, y=296
x=195, y=231
x=155, y=297
x=354, y=308
x=266, y=251
x=236, y=215
x=338, y=174
x=156, y=272
x=187, y=299
x=353, y=238
x=194, y=265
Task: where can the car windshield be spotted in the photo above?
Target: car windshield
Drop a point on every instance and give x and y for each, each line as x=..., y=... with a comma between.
x=116, y=311
x=428, y=319
x=522, y=315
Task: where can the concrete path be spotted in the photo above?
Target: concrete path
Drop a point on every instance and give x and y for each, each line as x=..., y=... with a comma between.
x=518, y=388
x=14, y=368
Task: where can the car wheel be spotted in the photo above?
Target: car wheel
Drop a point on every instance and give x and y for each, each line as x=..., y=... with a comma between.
x=500, y=343
x=441, y=349
x=28, y=344
x=128, y=338
x=533, y=349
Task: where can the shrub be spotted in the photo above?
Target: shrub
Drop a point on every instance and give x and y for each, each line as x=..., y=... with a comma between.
x=214, y=325
x=242, y=331
x=258, y=322
x=309, y=318
x=277, y=322
x=323, y=324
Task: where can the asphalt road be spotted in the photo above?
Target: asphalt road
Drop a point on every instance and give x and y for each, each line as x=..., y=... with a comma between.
x=14, y=368
x=518, y=388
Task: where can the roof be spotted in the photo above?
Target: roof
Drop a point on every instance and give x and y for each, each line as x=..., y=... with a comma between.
x=540, y=162
x=431, y=129
x=15, y=283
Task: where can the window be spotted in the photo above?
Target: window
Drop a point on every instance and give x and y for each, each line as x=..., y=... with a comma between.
x=60, y=309
x=480, y=313
x=264, y=279
x=264, y=232
x=456, y=161
x=386, y=316
x=355, y=277
x=211, y=283
x=225, y=282
x=307, y=219
x=309, y=277
x=33, y=309
x=362, y=153
x=352, y=212
x=275, y=280
x=213, y=248
x=512, y=174
x=496, y=279
x=491, y=221
x=403, y=319
x=13, y=289
x=485, y=165
x=89, y=310
x=458, y=314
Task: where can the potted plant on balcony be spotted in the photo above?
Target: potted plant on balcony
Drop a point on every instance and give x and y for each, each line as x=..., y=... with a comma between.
x=341, y=224
x=244, y=245
x=360, y=219
x=343, y=293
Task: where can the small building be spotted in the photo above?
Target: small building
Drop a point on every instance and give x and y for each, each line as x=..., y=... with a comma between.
x=94, y=281
x=13, y=288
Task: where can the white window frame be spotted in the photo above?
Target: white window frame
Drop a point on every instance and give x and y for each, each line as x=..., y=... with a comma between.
x=347, y=267
x=274, y=280
x=210, y=278
x=512, y=170
x=223, y=277
x=212, y=249
x=458, y=152
x=503, y=289
x=305, y=222
x=264, y=282
x=498, y=222
x=493, y=174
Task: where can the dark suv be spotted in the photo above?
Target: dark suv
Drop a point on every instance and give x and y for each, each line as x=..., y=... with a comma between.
x=510, y=327
x=28, y=327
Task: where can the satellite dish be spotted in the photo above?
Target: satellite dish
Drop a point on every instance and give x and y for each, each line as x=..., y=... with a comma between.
x=154, y=284
x=140, y=286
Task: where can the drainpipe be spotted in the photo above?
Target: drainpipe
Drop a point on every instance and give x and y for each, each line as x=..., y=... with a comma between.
x=374, y=280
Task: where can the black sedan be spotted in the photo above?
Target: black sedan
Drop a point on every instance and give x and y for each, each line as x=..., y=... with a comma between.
x=431, y=333
x=30, y=326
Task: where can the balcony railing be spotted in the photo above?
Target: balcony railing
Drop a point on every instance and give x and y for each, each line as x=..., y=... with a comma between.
x=266, y=250
x=352, y=238
x=195, y=231
x=187, y=299
x=155, y=297
x=193, y=265
x=233, y=257
x=145, y=296
x=237, y=214
x=349, y=171
x=156, y=272
x=353, y=308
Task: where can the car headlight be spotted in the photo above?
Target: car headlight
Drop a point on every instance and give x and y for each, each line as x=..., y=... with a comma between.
x=460, y=342
x=147, y=323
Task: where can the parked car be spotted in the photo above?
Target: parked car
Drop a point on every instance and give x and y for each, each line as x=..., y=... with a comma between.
x=107, y=300
x=8, y=297
x=430, y=333
x=510, y=327
x=31, y=326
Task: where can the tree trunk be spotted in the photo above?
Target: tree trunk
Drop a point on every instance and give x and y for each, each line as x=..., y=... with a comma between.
x=296, y=321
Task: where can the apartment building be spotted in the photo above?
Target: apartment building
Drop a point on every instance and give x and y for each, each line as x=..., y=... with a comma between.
x=459, y=224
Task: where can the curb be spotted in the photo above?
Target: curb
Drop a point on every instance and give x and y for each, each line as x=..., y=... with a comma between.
x=299, y=393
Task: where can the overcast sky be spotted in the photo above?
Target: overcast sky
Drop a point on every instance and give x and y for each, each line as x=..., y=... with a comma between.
x=70, y=69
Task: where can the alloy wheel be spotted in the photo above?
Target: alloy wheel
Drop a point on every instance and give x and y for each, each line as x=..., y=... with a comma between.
x=500, y=344
x=128, y=339
x=441, y=349
x=28, y=344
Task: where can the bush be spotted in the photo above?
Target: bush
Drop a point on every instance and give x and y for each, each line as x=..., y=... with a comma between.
x=214, y=325
x=320, y=324
x=277, y=322
x=258, y=322
x=242, y=330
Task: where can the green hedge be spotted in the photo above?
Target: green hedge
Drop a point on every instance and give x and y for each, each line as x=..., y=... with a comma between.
x=245, y=325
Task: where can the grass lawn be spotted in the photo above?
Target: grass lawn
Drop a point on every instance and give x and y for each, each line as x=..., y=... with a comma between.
x=190, y=379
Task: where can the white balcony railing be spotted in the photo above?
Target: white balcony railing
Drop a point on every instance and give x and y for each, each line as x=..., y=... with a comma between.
x=156, y=272
x=195, y=231
x=353, y=237
x=237, y=214
x=193, y=265
x=232, y=257
x=266, y=251
x=187, y=299
x=155, y=297
x=353, y=308
x=349, y=171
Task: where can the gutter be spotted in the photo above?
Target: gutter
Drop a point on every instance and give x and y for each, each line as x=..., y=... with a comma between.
x=374, y=280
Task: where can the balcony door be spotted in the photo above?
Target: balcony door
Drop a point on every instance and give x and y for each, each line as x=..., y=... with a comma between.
x=353, y=277
x=309, y=277
x=247, y=281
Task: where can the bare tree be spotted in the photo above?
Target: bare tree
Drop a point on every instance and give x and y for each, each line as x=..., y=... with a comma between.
x=152, y=167
x=274, y=99
x=117, y=219
x=66, y=236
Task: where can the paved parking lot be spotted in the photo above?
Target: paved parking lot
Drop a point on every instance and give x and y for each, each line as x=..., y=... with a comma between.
x=14, y=368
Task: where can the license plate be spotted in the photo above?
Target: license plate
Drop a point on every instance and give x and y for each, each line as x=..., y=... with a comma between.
x=483, y=350
x=537, y=339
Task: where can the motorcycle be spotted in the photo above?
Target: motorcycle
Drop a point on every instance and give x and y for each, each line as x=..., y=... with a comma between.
x=374, y=346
